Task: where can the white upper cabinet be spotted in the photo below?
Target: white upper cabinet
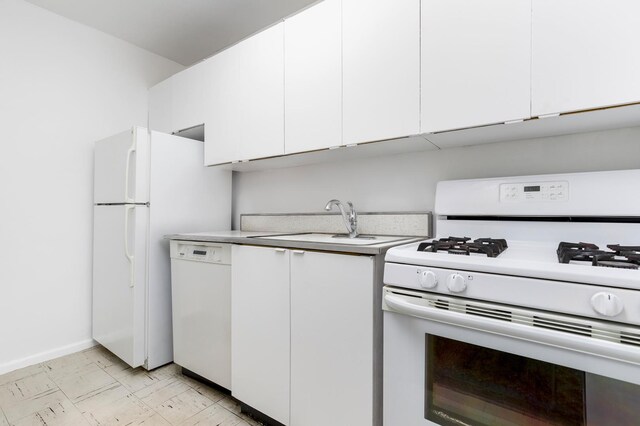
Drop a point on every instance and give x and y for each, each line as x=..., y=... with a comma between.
x=179, y=102
x=585, y=54
x=476, y=62
x=245, y=115
x=381, y=69
x=313, y=78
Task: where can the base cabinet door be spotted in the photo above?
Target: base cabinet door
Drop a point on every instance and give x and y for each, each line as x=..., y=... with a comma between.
x=585, y=54
x=260, y=329
x=331, y=339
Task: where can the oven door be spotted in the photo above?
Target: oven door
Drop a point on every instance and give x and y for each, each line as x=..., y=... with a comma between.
x=451, y=361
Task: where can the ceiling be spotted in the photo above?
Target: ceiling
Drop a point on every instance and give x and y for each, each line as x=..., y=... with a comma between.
x=185, y=31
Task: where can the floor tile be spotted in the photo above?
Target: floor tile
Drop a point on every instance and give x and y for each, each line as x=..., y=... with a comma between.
x=85, y=383
x=62, y=413
x=32, y=405
x=20, y=374
x=60, y=367
x=118, y=368
x=166, y=371
x=155, y=420
x=136, y=379
x=230, y=404
x=211, y=393
x=215, y=415
x=105, y=397
x=161, y=391
x=206, y=390
x=25, y=388
x=124, y=411
x=101, y=357
x=181, y=407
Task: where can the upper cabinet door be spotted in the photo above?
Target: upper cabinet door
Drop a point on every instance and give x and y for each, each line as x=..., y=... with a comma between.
x=188, y=96
x=245, y=117
x=381, y=69
x=178, y=102
x=585, y=54
x=476, y=62
x=313, y=78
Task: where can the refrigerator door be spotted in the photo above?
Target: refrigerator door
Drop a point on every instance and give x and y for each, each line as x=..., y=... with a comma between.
x=121, y=168
x=119, y=280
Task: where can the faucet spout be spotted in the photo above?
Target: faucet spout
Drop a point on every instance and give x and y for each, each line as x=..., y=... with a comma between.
x=350, y=219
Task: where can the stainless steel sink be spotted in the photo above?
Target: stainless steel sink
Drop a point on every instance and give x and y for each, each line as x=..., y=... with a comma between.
x=336, y=238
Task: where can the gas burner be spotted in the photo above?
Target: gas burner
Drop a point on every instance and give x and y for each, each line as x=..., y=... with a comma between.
x=624, y=257
x=578, y=251
x=463, y=246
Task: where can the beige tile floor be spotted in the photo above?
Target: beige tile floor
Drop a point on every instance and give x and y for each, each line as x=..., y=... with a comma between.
x=93, y=387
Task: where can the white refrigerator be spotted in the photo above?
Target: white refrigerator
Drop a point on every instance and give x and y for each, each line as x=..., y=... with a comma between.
x=146, y=185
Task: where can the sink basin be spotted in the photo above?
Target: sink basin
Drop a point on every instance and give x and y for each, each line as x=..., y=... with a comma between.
x=336, y=239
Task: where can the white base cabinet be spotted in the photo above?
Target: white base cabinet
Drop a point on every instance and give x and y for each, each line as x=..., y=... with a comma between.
x=332, y=339
x=260, y=341
x=303, y=333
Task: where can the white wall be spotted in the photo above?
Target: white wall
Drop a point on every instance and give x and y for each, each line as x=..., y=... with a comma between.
x=62, y=86
x=408, y=181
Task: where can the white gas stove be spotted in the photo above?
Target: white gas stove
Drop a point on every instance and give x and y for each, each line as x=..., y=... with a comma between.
x=541, y=272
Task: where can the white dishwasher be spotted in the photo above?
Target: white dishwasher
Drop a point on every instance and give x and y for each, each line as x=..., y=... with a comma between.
x=201, y=297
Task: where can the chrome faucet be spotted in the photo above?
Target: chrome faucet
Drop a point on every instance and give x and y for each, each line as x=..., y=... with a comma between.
x=350, y=219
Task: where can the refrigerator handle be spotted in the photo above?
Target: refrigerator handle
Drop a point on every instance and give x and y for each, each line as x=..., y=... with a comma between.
x=126, y=246
x=130, y=151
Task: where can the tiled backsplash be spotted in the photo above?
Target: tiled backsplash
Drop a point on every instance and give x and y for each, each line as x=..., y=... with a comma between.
x=392, y=223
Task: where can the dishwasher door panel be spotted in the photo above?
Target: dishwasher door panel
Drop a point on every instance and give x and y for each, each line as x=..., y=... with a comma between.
x=201, y=296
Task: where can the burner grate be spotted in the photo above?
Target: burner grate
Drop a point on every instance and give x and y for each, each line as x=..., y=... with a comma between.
x=624, y=257
x=491, y=247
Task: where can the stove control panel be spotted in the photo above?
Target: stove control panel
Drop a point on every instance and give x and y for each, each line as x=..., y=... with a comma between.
x=534, y=191
x=592, y=301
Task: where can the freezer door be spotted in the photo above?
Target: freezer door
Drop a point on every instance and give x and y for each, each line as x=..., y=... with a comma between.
x=119, y=280
x=121, y=168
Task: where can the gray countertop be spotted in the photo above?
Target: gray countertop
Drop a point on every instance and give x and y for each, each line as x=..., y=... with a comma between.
x=253, y=238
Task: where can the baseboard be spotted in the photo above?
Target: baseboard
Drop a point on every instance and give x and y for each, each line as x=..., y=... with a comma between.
x=46, y=356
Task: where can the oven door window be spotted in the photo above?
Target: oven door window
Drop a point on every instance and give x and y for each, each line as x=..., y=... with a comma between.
x=472, y=385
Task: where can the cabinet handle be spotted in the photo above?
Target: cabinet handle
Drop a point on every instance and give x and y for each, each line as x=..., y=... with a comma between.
x=298, y=251
x=280, y=250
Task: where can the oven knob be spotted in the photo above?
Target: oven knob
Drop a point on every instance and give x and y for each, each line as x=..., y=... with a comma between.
x=606, y=304
x=427, y=279
x=456, y=283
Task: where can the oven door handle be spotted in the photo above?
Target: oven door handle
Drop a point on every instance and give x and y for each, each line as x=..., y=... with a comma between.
x=569, y=341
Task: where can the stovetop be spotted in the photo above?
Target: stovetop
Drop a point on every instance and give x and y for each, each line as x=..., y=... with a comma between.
x=615, y=256
x=535, y=259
